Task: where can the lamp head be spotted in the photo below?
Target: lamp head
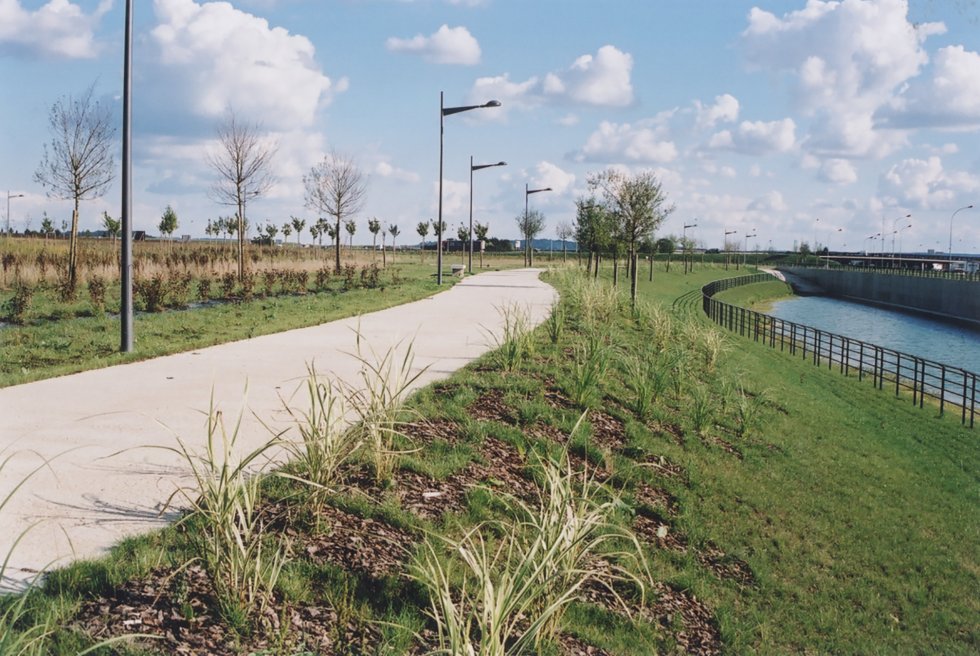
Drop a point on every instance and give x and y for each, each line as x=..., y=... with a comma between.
x=492, y=103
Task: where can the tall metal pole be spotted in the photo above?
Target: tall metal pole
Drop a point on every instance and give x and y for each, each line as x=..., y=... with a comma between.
x=9, y=196
x=126, y=256
x=469, y=266
x=439, y=218
x=526, y=245
x=949, y=255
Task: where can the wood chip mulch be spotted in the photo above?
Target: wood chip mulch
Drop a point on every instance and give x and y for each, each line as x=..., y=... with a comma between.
x=173, y=606
x=656, y=499
x=665, y=467
x=724, y=566
x=607, y=431
x=558, y=399
x=658, y=531
x=504, y=468
x=490, y=406
x=725, y=445
x=572, y=646
x=429, y=497
x=543, y=431
x=673, y=431
x=697, y=633
x=428, y=431
x=360, y=544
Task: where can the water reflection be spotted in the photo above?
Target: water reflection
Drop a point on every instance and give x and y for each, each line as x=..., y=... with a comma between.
x=910, y=333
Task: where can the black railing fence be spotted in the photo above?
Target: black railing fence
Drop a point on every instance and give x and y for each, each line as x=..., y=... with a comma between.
x=943, y=385
x=913, y=270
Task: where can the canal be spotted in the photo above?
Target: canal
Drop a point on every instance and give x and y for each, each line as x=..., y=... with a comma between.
x=915, y=334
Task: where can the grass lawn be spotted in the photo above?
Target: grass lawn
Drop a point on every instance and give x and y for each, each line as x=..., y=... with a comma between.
x=756, y=504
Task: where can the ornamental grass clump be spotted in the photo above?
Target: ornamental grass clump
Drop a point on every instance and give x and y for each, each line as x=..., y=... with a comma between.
x=326, y=445
x=510, y=597
x=647, y=379
x=515, y=344
x=589, y=368
x=378, y=404
x=226, y=530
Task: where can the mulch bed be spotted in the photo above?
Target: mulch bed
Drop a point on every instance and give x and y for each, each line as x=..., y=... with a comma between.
x=543, y=431
x=673, y=431
x=428, y=431
x=429, y=497
x=174, y=607
x=607, y=431
x=698, y=633
x=490, y=406
x=724, y=566
x=665, y=467
x=558, y=399
x=725, y=445
x=658, y=531
x=656, y=499
x=359, y=544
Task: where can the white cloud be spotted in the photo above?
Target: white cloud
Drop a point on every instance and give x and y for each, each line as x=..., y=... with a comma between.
x=568, y=120
x=837, y=171
x=386, y=170
x=768, y=202
x=547, y=174
x=448, y=45
x=602, y=80
x=848, y=59
x=757, y=137
x=58, y=28
x=210, y=56
x=724, y=109
x=948, y=97
x=925, y=184
x=644, y=142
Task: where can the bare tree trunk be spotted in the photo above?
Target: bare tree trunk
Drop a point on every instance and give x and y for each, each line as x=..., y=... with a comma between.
x=615, y=269
x=652, y=256
x=73, y=250
x=241, y=240
x=337, y=249
x=633, y=279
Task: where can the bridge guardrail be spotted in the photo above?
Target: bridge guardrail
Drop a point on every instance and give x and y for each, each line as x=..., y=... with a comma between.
x=941, y=384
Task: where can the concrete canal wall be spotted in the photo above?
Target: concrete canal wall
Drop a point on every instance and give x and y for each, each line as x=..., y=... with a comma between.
x=950, y=299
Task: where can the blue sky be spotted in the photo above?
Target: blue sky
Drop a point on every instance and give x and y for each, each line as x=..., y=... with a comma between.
x=793, y=120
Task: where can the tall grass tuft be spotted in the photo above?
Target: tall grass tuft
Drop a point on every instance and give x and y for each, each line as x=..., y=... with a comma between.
x=513, y=596
x=226, y=530
x=702, y=409
x=710, y=343
x=515, y=345
x=378, y=404
x=647, y=379
x=589, y=368
x=748, y=412
x=325, y=444
x=556, y=322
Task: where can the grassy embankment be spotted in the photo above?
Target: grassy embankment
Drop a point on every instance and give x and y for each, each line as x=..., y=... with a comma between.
x=789, y=508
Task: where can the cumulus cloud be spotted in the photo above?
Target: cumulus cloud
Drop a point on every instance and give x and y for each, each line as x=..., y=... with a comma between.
x=602, y=80
x=448, y=45
x=837, y=171
x=757, y=137
x=386, y=170
x=58, y=28
x=547, y=174
x=768, y=202
x=948, y=97
x=209, y=56
x=724, y=109
x=924, y=184
x=848, y=59
x=645, y=142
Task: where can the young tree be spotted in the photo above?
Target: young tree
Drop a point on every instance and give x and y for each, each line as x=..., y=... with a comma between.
x=47, y=226
x=334, y=235
x=168, y=222
x=463, y=234
x=298, y=225
x=480, y=231
x=593, y=229
x=271, y=230
x=639, y=204
x=394, y=231
x=423, y=229
x=243, y=163
x=287, y=229
x=112, y=226
x=564, y=231
x=530, y=224
x=350, y=225
x=336, y=187
x=314, y=233
x=374, y=227
x=78, y=165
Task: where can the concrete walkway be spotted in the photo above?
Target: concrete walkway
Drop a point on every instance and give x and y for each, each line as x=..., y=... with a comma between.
x=101, y=484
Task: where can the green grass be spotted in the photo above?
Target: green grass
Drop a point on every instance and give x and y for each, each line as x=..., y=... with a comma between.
x=48, y=347
x=758, y=297
x=855, y=511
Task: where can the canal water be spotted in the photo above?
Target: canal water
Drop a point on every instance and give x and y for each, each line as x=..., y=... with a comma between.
x=916, y=334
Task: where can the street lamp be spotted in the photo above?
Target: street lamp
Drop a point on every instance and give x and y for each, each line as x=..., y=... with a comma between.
x=528, y=255
x=950, y=252
x=745, y=253
x=126, y=213
x=9, y=196
x=475, y=167
x=443, y=112
x=900, y=231
x=684, y=243
x=725, y=245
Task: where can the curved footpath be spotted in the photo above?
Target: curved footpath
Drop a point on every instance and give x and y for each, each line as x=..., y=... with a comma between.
x=102, y=484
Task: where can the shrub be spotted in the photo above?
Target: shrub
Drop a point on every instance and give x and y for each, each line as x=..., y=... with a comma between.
x=17, y=306
x=370, y=276
x=96, y=293
x=350, y=271
x=229, y=282
x=269, y=279
x=179, y=289
x=204, y=288
x=302, y=280
x=322, y=279
x=246, y=289
x=151, y=292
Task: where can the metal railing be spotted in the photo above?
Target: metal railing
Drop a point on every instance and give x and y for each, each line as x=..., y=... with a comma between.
x=942, y=385
x=885, y=268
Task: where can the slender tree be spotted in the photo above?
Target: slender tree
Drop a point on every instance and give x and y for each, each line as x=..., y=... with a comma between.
x=47, y=226
x=593, y=229
x=168, y=222
x=112, y=226
x=77, y=165
x=530, y=224
x=243, y=163
x=374, y=227
x=394, y=231
x=287, y=229
x=423, y=229
x=564, y=231
x=298, y=225
x=480, y=230
x=335, y=187
x=350, y=225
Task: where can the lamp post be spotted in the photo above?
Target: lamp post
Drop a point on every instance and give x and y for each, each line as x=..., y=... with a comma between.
x=827, y=262
x=745, y=253
x=950, y=251
x=724, y=245
x=900, y=231
x=684, y=243
x=9, y=196
x=528, y=256
x=126, y=214
x=475, y=167
x=443, y=112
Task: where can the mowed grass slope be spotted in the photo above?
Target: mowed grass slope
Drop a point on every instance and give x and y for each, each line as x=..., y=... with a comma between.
x=802, y=511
